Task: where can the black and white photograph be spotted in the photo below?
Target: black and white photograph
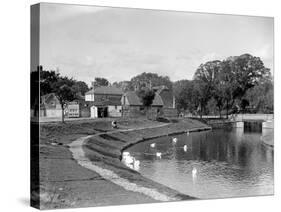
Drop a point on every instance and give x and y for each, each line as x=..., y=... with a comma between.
x=133, y=106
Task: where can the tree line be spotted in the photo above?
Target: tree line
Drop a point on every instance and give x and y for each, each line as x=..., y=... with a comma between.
x=236, y=84
x=218, y=87
x=221, y=87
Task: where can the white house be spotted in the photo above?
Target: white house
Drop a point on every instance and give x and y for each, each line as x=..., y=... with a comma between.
x=105, y=101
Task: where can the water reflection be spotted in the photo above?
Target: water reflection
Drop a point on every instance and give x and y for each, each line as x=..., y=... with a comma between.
x=213, y=164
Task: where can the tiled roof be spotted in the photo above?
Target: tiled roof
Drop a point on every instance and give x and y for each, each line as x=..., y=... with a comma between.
x=133, y=99
x=111, y=90
x=106, y=102
x=157, y=100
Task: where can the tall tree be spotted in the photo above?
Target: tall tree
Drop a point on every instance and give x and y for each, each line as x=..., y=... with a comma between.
x=150, y=80
x=220, y=85
x=260, y=97
x=123, y=85
x=80, y=87
x=185, y=95
x=224, y=87
x=248, y=70
x=203, y=92
x=64, y=91
x=99, y=81
x=146, y=96
x=208, y=72
x=205, y=79
x=239, y=74
x=47, y=79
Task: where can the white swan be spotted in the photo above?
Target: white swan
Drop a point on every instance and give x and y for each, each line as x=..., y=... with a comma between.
x=185, y=148
x=194, y=172
x=127, y=158
x=126, y=154
x=158, y=154
x=136, y=163
x=152, y=145
x=130, y=161
x=174, y=140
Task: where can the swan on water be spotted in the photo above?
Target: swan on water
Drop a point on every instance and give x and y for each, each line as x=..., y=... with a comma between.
x=158, y=154
x=130, y=161
x=185, y=148
x=136, y=164
x=127, y=158
x=194, y=172
x=126, y=154
x=175, y=140
x=152, y=145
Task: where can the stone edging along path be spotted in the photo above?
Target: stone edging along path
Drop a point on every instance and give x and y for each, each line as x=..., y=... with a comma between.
x=79, y=155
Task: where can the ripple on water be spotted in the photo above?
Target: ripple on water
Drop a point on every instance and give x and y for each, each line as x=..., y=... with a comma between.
x=227, y=162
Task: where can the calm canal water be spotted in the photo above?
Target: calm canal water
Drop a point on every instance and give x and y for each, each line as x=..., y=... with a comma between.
x=211, y=164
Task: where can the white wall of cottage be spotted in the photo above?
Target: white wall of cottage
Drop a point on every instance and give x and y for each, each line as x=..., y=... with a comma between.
x=90, y=97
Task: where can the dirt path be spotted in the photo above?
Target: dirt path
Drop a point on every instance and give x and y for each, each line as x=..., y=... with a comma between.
x=65, y=183
x=78, y=153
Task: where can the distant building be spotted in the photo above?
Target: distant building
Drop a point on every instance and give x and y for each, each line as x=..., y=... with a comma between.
x=78, y=108
x=105, y=101
x=133, y=107
x=73, y=110
x=168, y=98
x=50, y=106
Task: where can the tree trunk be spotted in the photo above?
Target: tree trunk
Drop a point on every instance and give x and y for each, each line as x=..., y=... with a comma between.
x=62, y=113
x=220, y=112
x=201, y=110
x=227, y=109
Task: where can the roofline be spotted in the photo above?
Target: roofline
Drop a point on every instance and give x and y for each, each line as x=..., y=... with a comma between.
x=93, y=92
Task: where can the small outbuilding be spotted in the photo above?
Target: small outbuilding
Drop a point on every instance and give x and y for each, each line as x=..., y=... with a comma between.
x=168, y=98
x=133, y=107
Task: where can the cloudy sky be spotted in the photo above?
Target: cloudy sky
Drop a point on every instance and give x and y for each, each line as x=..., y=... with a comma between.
x=85, y=42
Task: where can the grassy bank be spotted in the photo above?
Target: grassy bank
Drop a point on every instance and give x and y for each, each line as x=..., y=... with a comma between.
x=217, y=123
x=64, y=183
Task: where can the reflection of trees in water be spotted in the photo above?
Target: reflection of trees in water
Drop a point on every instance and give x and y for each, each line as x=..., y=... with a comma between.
x=242, y=154
x=218, y=145
x=237, y=163
x=224, y=146
x=211, y=146
x=239, y=155
x=252, y=126
x=267, y=154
